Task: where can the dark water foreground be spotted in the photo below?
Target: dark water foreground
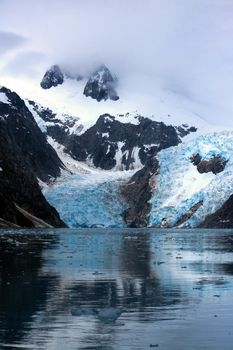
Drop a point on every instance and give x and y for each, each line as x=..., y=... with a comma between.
x=118, y=289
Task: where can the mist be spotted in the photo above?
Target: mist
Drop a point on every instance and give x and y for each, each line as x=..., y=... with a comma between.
x=182, y=46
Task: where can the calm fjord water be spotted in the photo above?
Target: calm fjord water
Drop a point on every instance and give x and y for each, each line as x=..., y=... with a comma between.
x=116, y=289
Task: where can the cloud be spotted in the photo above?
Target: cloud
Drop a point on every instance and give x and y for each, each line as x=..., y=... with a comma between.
x=27, y=63
x=9, y=41
x=184, y=46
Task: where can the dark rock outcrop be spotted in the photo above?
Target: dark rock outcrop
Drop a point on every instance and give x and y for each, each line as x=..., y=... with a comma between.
x=215, y=164
x=137, y=193
x=222, y=218
x=184, y=130
x=59, y=128
x=23, y=136
x=101, y=85
x=52, y=77
x=189, y=213
x=25, y=156
x=110, y=143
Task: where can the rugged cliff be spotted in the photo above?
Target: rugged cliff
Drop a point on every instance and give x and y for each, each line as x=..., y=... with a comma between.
x=111, y=142
x=25, y=156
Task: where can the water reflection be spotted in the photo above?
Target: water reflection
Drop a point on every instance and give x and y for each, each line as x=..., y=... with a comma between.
x=127, y=289
x=22, y=290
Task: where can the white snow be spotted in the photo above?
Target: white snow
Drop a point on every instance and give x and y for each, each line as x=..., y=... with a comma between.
x=108, y=150
x=118, y=156
x=137, y=163
x=61, y=119
x=4, y=98
x=191, y=183
x=157, y=103
x=72, y=165
x=40, y=122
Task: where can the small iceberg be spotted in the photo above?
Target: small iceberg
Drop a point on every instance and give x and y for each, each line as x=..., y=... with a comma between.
x=107, y=314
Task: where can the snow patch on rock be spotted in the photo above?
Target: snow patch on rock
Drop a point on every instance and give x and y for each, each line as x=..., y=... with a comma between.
x=4, y=98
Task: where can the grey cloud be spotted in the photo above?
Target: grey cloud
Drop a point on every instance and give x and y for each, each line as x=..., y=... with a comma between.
x=185, y=46
x=27, y=63
x=9, y=41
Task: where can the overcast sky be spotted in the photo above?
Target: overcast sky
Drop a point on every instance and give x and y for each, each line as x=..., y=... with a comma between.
x=186, y=46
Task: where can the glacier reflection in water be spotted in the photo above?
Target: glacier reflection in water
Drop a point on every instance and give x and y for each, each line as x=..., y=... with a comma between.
x=116, y=289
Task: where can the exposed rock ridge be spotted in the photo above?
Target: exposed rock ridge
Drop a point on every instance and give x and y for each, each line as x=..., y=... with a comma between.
x=53, y=77
x=137, y=193
x=110, y=143
x=216, y=164
x=25, y=156
x=101, y=85
x=222, y=218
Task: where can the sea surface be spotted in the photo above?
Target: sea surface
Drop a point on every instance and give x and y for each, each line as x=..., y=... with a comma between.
x=116, y=289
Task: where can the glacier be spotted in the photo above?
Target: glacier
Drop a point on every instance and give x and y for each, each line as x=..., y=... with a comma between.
x=89, y=199
x=179, y=186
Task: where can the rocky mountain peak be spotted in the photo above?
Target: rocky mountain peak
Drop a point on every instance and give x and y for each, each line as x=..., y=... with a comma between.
x=101, y=85
x=53, y=77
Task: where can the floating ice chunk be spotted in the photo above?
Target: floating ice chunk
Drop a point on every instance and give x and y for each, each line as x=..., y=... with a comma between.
x=84, y=311
x=109, y=314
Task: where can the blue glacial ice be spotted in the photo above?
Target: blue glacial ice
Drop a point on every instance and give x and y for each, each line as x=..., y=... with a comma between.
x=180, y=185
x=89, y=200
x=93, y=200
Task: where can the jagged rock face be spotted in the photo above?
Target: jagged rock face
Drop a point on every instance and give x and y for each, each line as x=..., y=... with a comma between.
x=184, y=129
x=137, y=193
x=24, y=156
x=59, y=127
x=26, y=139
x=101, y=85
x=110, y=143
x=222, y=218
x=215, y=164
x=52, y=77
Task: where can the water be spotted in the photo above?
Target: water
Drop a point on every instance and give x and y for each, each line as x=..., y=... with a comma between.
x=116, y=289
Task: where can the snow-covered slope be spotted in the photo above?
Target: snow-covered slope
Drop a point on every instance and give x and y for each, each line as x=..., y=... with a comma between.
x=155, y=103
x=180, y=187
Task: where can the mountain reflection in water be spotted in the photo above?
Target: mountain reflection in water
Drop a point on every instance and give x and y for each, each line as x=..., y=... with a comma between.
x=116, y=289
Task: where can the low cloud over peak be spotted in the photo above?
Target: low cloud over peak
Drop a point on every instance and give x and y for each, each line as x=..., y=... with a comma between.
x=185, y=46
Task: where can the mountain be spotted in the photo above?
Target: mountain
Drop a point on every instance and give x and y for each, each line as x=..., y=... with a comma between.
x=25, y=156
x=100, y=85
x=178, y=178
x=112, y=142
x=53, y=77
x=137, y=161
